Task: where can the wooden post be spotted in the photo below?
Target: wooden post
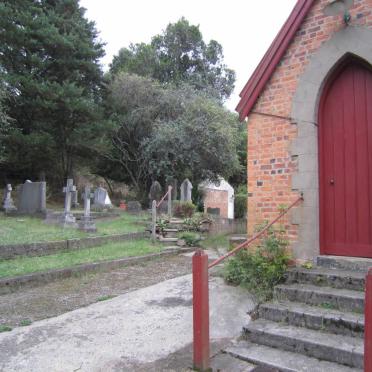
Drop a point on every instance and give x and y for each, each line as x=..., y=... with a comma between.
x=200, y=310
x=170, y=201
x=368, y=324
x=153, y=223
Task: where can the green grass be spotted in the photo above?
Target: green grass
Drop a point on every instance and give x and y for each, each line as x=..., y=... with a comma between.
x=105, y=298
x=215, y=241
x=17, y=230
x=111, y=251
x=25, y=322
x=5, y=328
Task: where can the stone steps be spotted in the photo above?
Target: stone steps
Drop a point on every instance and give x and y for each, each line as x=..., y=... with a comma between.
x=325, y=297
x=345, y=263
x=168, y=241
x=315, y=322
x=320, y=276
x=285, y=361
x=339, y=349
x=315, y=318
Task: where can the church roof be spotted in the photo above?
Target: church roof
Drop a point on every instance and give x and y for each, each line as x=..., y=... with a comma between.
x=273, y=56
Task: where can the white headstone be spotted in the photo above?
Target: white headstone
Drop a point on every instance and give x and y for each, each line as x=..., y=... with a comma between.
x=186, y=189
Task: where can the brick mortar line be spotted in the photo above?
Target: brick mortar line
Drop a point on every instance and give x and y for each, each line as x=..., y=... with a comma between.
x=12, y=284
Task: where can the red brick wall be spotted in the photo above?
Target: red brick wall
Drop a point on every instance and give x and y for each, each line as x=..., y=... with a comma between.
x=216, y=199
x=270, y=166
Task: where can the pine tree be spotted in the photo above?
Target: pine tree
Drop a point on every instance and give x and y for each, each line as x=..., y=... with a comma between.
x=49, y=55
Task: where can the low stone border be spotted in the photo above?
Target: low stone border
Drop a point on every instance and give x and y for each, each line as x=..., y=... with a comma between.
x=8, y=285
x=45, y=248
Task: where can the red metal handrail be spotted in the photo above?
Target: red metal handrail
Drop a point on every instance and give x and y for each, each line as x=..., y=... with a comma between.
x=249, y=241
x=163, y=198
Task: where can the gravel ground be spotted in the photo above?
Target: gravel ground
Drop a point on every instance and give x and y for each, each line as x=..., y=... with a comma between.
x=56, y=298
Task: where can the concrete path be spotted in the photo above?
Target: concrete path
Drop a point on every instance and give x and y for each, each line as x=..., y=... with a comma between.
x=131, y=330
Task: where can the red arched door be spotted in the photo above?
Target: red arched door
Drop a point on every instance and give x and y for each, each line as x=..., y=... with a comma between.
x=345, y=162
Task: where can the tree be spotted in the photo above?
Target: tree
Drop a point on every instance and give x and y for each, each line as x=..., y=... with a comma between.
x=49, y=57
x=162, y=132
x=179, y=55
x=5, y=124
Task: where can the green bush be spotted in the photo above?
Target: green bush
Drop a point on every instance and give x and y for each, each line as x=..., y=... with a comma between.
x=260, y=270
x=184, y=209
x=191, y=239
x=194, y=223
x=240, y=202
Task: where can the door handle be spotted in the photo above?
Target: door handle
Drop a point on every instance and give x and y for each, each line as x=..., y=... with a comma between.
x=332, y=181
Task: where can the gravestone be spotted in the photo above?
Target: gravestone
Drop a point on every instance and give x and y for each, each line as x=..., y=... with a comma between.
x=74, y=199
x=31, y=198
x=134, y=206
x=173, y=182
x=8, y=204
x=101, y=198
x=68, y=219
x=186, y=189
x=155, y=192
x=86, y=222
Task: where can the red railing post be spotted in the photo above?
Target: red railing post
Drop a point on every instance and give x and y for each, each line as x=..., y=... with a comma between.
x=368, y=324
x=200, y=310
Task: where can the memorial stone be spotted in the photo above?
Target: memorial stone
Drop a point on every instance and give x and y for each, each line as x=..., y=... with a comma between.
x=186, y=189
x=68, y=219
x=31, y=197
x=87, y=223
x=8, y=204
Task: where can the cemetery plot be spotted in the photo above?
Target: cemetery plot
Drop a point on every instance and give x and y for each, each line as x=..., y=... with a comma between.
x=18, y=230
x=26, y=265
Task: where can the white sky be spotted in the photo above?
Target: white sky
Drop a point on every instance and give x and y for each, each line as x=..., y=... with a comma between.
x=244, y=28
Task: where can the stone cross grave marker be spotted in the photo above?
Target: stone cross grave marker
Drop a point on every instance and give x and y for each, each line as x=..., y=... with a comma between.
x=186, y=189
x=8, y=204
x=68, y=218
x=87, y=223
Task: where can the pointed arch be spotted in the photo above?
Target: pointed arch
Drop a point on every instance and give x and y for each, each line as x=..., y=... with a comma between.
x=350, y=43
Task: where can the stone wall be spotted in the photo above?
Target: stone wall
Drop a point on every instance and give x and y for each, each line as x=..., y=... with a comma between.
x=277, y=171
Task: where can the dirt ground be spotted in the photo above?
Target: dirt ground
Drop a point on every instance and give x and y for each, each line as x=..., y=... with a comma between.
x=28, y=305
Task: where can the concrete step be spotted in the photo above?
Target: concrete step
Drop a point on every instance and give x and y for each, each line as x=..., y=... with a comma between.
x=284, y=361
x=171, y=233
x=168, y=241
x=345, y=263
x=320, y=276
x=326, y=297
x=339, y=349
x=223, y=362
x=313, y=317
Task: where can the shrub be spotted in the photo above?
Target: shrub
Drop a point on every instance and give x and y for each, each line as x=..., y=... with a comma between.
x=191, y=239
x=260, y=270
x=240, y=202
x=184, y=209
x=194, y=223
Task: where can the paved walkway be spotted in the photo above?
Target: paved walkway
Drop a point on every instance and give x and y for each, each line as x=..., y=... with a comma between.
x=125, y=333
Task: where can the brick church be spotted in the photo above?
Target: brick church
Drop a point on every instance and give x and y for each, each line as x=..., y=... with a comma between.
x=308, y=107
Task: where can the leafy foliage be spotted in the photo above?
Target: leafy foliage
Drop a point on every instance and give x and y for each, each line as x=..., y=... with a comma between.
x=240, y=202
x=191, y=239
x=184, y=209
x=260, y=270
x=165, y=132
x=49, y=58
x=177, y=55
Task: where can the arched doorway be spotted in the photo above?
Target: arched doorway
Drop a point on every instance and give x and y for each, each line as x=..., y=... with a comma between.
x=345, y=161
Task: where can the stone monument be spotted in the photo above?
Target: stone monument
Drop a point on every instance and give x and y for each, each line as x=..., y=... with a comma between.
x=68, y=219
x=8, y=204
x=74, y=199
x=31, y=198
x=155, y=192
x=186, y=189
x=101, y=199
x=86, y=223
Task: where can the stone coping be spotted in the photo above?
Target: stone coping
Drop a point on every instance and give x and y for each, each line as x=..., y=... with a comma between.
x=12, y=284
x=46, y=248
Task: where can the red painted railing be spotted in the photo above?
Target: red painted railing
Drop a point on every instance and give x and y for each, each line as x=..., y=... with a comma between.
x=368, y=324
x=201, y=295
x=163, y=198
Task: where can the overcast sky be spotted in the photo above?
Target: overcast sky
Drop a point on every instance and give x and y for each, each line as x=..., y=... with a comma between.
x=244, y=28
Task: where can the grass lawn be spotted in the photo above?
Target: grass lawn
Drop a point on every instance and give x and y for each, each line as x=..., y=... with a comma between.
x=26, y=265
x=16, y=230
x=215, y=241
